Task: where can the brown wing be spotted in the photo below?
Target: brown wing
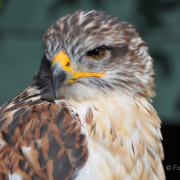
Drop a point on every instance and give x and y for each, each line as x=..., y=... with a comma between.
x=43, y=140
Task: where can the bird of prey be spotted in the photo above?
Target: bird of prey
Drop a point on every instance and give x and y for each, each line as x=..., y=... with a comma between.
x=87, y=114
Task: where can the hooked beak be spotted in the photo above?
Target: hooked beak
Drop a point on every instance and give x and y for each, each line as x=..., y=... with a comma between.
x=58, y=77
x=62, y=73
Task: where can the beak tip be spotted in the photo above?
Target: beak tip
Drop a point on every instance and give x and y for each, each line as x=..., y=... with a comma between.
x=58, y=77
x=55, y=90
x=56, y=96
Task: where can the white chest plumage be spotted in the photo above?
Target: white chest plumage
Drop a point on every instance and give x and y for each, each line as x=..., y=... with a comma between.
x=124, y=139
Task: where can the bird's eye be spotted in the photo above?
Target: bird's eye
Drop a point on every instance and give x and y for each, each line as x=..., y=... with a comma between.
x=97, y=54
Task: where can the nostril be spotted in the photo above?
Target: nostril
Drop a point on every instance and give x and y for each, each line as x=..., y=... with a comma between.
x=68, y=64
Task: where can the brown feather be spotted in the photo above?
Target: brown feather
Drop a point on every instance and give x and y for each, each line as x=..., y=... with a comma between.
x=46, y=138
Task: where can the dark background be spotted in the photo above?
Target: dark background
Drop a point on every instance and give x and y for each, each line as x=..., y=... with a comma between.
x=24, y=22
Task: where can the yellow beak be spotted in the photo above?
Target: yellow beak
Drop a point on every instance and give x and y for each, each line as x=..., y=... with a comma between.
x=65, y=62
x=62, y=73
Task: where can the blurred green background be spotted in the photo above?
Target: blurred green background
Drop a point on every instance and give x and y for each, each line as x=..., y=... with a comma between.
x=24, y=22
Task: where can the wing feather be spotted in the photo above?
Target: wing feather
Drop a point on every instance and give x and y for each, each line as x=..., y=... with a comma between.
x=41, y=140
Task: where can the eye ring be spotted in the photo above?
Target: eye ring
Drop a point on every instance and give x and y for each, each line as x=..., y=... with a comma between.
x=97, y=53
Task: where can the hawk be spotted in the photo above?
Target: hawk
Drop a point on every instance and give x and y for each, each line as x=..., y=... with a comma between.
x=87, y=114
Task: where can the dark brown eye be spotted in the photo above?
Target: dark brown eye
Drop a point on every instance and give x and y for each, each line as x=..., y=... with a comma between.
x=97, y=53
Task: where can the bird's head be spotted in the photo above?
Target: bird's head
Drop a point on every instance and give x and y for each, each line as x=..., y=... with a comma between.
x=88, y=52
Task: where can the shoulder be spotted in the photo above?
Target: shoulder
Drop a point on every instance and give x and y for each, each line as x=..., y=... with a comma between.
x=46, y=138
